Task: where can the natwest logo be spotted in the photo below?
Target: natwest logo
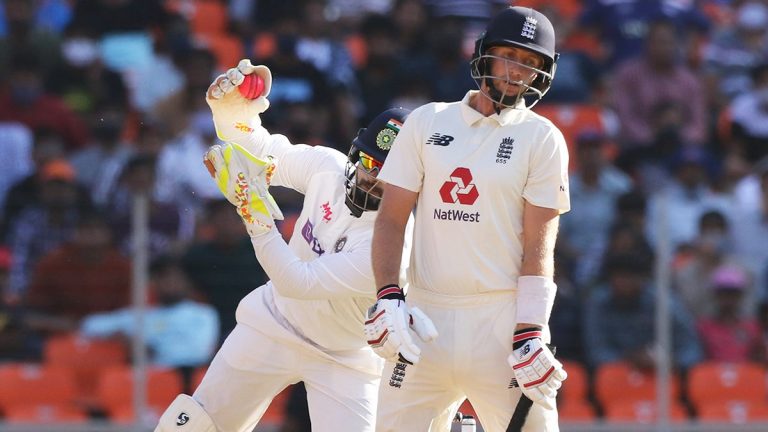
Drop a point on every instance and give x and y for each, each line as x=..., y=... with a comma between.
x=459, y=188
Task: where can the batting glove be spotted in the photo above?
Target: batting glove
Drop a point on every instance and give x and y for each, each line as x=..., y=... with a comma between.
x=538, y=373
x=233, y=115
x=244, y=180
x=387, y=327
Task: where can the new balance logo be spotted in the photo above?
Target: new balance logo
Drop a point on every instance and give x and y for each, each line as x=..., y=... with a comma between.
x=439, y=139
x=513, y=383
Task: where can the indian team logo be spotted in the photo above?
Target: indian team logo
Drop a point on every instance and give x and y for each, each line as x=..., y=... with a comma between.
x=340, y=243
x=386, y=136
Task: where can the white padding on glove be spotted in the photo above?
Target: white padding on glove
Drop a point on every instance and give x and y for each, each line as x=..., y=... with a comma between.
x=539, y=374
x=535, y=297
x=244, y=180
x=386, y=330
x=233, y=115
x=422, y=325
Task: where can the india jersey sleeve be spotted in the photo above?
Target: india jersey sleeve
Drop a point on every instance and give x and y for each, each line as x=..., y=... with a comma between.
x=296, y=163
x=404, y=167
x=547, y=183
x=329, y=276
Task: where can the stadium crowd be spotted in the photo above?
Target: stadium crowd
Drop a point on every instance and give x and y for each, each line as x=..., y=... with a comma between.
x=664, y=105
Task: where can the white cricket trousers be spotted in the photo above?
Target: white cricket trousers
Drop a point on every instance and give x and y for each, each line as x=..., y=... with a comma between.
x=467, y=360
x=255, y=364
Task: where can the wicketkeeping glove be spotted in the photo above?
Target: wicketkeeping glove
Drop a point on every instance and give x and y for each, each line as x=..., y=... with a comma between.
x=386, y=328
x=244, y=180
x=539, y=374
x=233, y=115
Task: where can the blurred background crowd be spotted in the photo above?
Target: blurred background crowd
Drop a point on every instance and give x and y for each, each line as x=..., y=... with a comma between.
x=664, y=105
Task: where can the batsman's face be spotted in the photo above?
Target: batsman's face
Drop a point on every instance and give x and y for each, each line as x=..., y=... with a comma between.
x=512, y=66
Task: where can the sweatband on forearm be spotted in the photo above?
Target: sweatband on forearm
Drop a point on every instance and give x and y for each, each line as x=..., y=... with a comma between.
x=535, y=297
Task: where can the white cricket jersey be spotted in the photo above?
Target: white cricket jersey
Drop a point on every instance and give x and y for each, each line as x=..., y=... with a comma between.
x=322, y=280
x=473, y=174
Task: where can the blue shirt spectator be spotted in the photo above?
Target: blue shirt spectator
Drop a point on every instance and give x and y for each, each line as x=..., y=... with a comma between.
x=619, y=319
x=179, y=332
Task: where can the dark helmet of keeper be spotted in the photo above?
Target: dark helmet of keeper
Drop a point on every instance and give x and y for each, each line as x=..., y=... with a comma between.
x=366, y=157
x=519, y=27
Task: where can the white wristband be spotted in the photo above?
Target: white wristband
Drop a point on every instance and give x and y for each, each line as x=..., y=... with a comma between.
x=535, y=297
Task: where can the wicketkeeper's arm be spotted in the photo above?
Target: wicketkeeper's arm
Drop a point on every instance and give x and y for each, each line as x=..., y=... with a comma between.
x=331, y=275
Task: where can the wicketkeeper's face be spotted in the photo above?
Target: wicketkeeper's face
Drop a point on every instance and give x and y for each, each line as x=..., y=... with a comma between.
x=367, y=182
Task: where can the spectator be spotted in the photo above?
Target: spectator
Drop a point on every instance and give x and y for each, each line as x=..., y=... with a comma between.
x=25, y=192
x=619, y=319
x=595, y=187
x=85, y=275
x=685, y=198
x=179, y=332
x=182, y=179
x=711, y=249
x=749, y=116
x=223, y=264
x=643, y=84
x=624, y=26
x=99, y=165
x=566, y=321
x=17, y=162
x=138, y=177
x=43, y=226
x=22, y=30
x=24, y=99
x=378, y=76
x=735, y=50
x=727, y=335
x=750, y=229
x=13, y=336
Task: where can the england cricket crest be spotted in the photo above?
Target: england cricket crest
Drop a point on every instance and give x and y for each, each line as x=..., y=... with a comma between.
x=529, y=28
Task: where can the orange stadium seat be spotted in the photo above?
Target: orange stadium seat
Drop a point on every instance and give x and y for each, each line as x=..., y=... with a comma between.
x=86, y=358
x=572, y=119
x=197, y=376
x=576, y=410
x=712, y=382
x=641, y=411
x=574, y=388
x=275, y=414
x=619, y=381
x=34, y=384
x=733, y=412
x=44, y=414
x=209, y=17
x=227, y=49
x=115, y=387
